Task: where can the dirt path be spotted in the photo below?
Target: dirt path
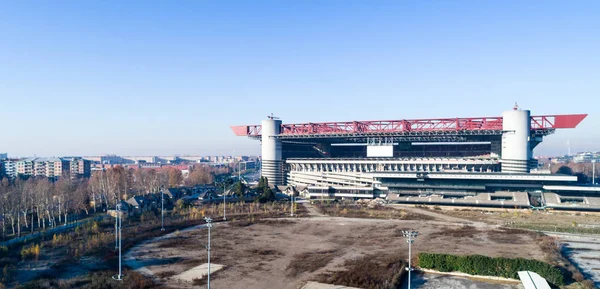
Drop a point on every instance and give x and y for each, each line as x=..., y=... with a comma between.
x=312, y=211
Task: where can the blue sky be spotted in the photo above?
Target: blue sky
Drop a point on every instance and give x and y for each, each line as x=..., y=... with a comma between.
x=169, y=77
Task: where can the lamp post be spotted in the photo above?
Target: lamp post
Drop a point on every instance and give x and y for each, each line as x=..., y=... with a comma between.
x=224, y=202
x=162, y=210
x=117, y=206
x=208, y=225
x=410, y=238
x=292, y=203
x=120, y=224
x=593, y=172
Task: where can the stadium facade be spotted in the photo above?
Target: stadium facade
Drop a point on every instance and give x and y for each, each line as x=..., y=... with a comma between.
x=484, y=161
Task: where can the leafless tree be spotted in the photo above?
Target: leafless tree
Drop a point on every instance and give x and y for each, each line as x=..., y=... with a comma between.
x=175, y=177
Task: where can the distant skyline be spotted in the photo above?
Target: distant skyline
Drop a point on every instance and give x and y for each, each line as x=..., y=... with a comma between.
x=165, y=78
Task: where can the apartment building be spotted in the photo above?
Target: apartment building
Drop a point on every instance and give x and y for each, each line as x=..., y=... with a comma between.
x=50, y=167
x=45, y=167
x=38, y=167
x=9, y=168
x=79, y=168
x=25, y=166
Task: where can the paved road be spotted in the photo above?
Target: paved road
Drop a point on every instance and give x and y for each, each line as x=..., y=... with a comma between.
x=432, y=281
x=583, y=251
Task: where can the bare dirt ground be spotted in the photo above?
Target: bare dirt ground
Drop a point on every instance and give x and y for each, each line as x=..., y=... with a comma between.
x=287, y=253
x=503, y=216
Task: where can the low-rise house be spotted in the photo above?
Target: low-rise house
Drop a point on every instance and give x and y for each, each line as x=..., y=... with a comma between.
x=172, y=193
x=208, y=196
x=139, y=203
x=125, y=210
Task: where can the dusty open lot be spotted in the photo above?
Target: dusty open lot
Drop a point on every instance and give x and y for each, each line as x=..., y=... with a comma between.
x=503, y=216
x=287, y=253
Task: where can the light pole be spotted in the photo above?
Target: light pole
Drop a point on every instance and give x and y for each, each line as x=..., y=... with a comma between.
x=593, y=172
x=117, y=206
x=119, y=218
x=162, y=210
x=208, y=225
x=292, y=203
x=410, y=238
x=224, y=202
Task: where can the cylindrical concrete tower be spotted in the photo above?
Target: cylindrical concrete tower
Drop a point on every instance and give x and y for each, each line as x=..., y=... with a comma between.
x=272, y=166
x=516, y=153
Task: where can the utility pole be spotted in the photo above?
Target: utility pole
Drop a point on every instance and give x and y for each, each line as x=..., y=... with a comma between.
x=120, y=222
x=410, y=238
x=208, y=225
x=162, y=210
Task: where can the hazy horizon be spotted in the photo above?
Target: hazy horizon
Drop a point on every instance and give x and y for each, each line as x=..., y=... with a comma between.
x=140, y=78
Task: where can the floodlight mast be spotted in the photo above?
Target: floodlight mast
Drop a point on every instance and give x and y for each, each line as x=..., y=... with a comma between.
x=593, y=172
x=410, y=238
x=162, y=210
x=116, y=224
x=118, y=232
x=292, y=203
x=208, y=225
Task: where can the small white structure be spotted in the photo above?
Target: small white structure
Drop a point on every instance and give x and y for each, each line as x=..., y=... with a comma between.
x=198, y=272
x=532, y=280
x=316, y=285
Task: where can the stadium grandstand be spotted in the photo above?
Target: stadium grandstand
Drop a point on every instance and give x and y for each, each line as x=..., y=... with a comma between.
x=484, y=161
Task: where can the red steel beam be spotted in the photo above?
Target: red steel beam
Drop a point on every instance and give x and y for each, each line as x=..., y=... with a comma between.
x=416, y=125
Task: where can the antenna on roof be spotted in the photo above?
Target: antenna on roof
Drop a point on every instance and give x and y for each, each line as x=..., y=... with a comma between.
x=516, y=107
x=271, y=117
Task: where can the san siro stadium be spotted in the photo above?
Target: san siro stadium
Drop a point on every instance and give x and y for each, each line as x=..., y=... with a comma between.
x=481, y=161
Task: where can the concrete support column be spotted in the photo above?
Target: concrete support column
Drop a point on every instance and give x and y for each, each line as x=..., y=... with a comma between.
x=272, y=164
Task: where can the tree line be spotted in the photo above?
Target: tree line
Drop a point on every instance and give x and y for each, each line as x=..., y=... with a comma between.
x=583, y=171
x=29, y=204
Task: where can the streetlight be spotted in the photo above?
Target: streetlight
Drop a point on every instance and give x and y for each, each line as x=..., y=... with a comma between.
x=162, y=210
x=410, y=238
x=117, y=206
x=593, y=172
x=119, y=218
x=224, y=202
x=292, y=203
x=208, y=225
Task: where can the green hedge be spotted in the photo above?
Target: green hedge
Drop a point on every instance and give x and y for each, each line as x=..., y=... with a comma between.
x=487, y=266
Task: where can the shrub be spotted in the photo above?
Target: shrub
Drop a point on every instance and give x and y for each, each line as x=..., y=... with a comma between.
x=3, y=251
x=148, y=216
x=8, y=273
x=487, y=266
x=31, y=252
